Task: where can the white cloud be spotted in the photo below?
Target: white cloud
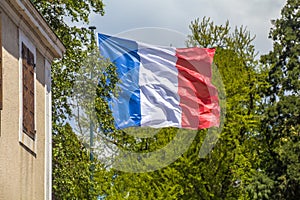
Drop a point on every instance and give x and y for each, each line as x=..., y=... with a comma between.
x=177, y=15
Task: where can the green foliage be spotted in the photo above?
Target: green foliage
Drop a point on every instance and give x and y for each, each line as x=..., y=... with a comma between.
x=74, y=173
x=261, y=186
x=71, y=165
x=257, y=154
x=230, y=168
x=57, y=13
x=94, y=83
x=281, y=123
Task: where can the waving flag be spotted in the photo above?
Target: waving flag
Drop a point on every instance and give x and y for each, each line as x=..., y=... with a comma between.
x=161, y=86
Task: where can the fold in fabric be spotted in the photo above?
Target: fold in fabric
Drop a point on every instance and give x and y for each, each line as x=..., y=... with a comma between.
x=161, y=86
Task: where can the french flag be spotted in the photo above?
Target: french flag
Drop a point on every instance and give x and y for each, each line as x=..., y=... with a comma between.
x=161, y=86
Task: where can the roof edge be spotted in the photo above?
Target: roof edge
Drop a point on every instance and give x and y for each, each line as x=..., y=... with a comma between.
x=41, y=26
x=31, y=21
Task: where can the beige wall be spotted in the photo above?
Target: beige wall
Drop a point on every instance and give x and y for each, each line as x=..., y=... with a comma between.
x=22, y=173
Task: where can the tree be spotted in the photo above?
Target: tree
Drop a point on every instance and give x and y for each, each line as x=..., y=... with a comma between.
x=228, y=170
x=230, y=167
x=71, y=165
x=58, y=13
x=281, y=123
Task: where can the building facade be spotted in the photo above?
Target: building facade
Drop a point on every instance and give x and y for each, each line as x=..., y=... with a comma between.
x=27, y=48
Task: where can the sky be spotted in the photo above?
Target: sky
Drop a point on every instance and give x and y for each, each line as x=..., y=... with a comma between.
x=166, y=22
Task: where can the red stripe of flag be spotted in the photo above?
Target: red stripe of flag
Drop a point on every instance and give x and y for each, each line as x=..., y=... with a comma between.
x=198, y=97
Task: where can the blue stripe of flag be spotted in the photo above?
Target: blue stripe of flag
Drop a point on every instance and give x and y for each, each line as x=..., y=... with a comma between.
x=126, y=107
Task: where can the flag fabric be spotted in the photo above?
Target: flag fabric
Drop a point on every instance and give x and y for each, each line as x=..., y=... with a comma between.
x=161, y=86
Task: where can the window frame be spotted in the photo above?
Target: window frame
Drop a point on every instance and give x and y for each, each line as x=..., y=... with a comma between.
x=26, y=140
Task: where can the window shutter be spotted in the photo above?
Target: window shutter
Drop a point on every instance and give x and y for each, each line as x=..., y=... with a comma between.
x=28, y=91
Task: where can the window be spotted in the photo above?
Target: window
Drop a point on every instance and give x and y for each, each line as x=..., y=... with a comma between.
x=28, y=91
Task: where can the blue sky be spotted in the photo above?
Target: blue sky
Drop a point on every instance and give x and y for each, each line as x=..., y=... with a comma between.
x=172, y=17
